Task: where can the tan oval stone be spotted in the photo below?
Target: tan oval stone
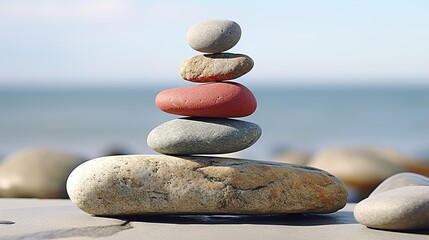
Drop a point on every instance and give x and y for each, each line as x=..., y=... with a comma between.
x=215, y=67
x=362, y=169
x=36, y=173
x=159, y=184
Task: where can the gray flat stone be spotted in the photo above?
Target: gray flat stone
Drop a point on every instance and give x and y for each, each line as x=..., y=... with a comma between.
x=214, y=36
x=160, y=184
x=401, y=180
x=215, y=67
x=193, y=135
x=404, y=208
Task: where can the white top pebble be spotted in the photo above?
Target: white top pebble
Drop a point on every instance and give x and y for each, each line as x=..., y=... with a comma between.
x=214, y=36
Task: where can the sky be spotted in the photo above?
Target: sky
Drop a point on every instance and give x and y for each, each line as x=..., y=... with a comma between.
x=129, y=42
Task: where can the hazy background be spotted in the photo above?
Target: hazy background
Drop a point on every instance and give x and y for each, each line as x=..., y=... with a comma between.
x=120, y=42
x=82, y=75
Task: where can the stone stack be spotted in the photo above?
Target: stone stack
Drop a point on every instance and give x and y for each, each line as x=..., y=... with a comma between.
x=207, y=128
x=189, y=184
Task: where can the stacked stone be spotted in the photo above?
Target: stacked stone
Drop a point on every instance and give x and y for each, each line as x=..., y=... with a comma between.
x=163, y=184
x=208, y=129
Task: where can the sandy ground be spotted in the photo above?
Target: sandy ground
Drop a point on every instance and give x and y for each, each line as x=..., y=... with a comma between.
x=58, y=219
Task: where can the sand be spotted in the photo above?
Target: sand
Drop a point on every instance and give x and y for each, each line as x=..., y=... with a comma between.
x=56, y=219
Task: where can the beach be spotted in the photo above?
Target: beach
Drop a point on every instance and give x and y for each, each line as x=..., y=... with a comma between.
x=362, y=135
x=39, y=219
x=207, y=120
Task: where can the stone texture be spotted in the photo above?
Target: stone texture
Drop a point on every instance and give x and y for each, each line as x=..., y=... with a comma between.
x=215, y=67
x=218, y=100
x=362, y=169
x=214, y=36
x=36, y=173
x=405, y=208
x=159, y=184
x=401, y=180
x=203, y=136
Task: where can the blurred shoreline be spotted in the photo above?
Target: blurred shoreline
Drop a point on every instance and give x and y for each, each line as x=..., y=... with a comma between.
x=91, y=121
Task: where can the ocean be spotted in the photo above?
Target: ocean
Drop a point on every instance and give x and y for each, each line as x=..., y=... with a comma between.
x=91, y=122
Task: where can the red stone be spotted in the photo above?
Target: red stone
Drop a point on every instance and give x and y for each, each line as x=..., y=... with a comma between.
x=218, y=100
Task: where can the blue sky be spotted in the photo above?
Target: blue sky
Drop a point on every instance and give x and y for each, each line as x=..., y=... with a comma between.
x=125, y=42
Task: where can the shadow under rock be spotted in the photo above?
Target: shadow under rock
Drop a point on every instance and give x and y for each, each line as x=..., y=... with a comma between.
x=418, y=232
x=344, y=217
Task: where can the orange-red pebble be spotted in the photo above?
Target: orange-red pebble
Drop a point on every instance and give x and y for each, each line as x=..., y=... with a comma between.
x=218, y=100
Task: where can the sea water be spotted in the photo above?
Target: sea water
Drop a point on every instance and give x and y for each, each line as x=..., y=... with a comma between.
x=90, y=121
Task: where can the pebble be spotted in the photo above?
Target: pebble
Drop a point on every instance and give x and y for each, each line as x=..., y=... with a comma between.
x=159, y=184
x=214, y=36
x=404, y=208
x=215, y=67
x=203, y=136
x=361, y=169
x=36, y=173
x=219, y=100
x=404, y=179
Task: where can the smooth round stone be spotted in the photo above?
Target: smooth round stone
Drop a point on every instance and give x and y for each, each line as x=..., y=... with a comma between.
x=160, y=184
x=36, y=173
x=401, y=180
x=203, y=136
x=215, y=67
x=214, y=36
x=218, y=100
x=405, y=208
x=362, y=169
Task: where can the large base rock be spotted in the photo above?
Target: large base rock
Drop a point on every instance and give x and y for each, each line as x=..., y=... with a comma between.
x=157, y=184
